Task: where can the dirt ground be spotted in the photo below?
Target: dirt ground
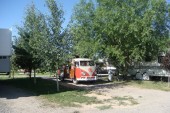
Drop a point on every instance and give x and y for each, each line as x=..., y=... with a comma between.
x=121, y=99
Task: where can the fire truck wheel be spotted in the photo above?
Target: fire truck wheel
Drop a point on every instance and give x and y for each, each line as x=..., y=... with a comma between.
x=75, y=81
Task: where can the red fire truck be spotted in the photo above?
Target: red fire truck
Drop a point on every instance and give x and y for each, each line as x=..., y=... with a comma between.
x=81, y=69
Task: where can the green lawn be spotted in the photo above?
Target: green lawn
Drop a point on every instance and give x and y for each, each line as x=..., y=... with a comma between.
x=158, y=85
x=48, y=90
x=71, y=97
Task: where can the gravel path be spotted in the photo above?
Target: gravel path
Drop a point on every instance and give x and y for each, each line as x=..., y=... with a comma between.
x=13, y=100
x=150, y=101
x=4, y=108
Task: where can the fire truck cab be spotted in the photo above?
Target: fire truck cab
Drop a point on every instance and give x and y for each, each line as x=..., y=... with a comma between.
x=81, y=69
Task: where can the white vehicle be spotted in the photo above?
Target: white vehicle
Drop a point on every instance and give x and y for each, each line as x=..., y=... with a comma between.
x=104, y=69
x=5, y=50
x=145, y=71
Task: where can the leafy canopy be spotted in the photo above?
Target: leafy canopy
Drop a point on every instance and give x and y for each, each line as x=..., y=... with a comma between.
x=125, y=31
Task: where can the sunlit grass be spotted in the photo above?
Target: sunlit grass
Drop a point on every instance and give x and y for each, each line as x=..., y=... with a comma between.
x=158, y=85
x=72, y=98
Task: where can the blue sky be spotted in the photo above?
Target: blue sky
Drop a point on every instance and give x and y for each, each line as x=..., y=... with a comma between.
x=12, y=11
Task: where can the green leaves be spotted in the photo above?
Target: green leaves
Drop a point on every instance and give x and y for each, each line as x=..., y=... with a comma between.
x=127, y=31
x=43, y=37
x=82, y=30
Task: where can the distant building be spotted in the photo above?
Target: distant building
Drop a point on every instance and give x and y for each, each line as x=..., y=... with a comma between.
x=5, y=50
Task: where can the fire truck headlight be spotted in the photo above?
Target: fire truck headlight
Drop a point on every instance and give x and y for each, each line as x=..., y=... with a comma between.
x=83, y=73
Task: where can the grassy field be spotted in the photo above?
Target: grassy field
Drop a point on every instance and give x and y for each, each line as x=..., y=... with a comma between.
x=48, y=90
x=157, y=85
x=73, y=97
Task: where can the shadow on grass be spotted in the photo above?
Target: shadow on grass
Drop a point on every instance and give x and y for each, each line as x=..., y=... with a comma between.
x=25, y=87
x=93, y=85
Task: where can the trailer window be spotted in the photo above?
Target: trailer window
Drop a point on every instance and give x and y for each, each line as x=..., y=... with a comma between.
x=3, y=57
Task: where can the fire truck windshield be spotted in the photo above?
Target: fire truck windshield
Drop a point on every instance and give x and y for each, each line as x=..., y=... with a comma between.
x=86, y=63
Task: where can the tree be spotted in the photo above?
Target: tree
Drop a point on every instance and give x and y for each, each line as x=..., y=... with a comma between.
x=58, y=38
x=43, y=38
x=125, y=31
x=82, y=30
x=132, y=30
x=27, y=48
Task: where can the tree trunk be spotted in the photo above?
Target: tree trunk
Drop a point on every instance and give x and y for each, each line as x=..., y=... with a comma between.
x=30, y=71
x=13, y=74
x=50, y=73
x=125, y=71
x=34, y=77
x=126, y=66
x=57, y=82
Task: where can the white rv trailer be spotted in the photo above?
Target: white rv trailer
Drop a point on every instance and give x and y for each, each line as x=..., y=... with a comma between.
x=5, y=50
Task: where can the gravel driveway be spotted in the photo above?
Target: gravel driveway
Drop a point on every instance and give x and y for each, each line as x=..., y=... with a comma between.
x=13, y=100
